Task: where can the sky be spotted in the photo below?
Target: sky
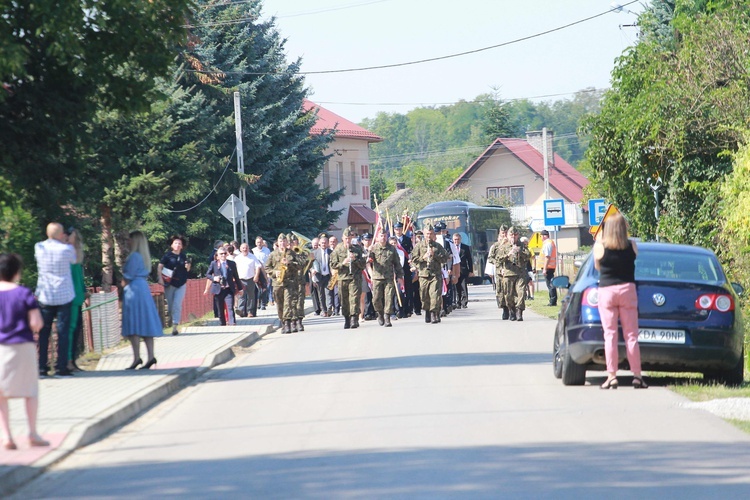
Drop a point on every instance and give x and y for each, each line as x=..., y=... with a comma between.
x=334, y=35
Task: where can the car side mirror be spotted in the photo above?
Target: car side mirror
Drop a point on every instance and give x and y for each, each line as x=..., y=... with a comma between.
x=738, y=289
x=561, y=282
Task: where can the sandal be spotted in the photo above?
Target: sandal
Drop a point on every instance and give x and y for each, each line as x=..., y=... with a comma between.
x=611, y=383
x=37, y=441
x=9, y=445
x=638, y=383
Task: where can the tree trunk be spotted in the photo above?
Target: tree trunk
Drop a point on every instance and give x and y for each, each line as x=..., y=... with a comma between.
x=107, y=248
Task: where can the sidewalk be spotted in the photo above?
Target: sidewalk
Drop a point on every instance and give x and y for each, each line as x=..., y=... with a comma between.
x=76, y=411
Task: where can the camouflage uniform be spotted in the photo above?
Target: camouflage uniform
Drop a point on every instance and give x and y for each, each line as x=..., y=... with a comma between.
x=430, y=276
x=284, y=292
x=386, y=268
x=349, y=281
x=514, y=257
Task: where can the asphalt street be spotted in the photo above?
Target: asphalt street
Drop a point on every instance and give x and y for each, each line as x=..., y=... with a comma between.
x=467, y=408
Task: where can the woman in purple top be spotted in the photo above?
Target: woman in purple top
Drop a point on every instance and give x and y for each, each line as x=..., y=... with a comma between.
x=20, y=319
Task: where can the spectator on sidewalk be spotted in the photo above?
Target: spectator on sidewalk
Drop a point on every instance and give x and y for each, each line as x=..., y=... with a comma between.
x=249, y=269
x=334, y=304
x=76, y=323
x=261, y=252
x=173, y=271
x=20, y=319
x=140, y=320
x=549, y=251
x=55, y=293
x=321, y=272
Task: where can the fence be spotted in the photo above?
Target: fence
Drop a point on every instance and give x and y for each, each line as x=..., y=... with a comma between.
x=102, y=325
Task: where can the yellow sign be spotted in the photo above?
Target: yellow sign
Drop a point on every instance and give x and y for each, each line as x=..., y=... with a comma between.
x=611, y=210
x=535, y=242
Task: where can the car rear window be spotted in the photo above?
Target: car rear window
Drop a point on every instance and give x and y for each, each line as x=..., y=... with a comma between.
x=677, y=265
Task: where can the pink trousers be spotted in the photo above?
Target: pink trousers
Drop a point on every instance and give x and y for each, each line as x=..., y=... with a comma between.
x=620, y=302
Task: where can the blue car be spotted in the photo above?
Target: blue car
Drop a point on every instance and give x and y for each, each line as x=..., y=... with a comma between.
x=689, y=318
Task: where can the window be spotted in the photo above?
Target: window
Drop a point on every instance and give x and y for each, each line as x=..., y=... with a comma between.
x=353, y=170
x=326, y=175
x=340, y=175
x=365, y=171
x=510, y=195
x=366, y=192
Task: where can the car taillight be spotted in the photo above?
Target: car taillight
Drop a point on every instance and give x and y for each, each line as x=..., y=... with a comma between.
x=714, y=301
x=590, y=297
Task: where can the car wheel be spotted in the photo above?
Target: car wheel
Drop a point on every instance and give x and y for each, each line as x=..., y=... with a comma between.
x=557, y=353
x=572, y=372
x=732, y=377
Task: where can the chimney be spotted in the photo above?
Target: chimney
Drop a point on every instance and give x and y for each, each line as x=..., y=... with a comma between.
x=535, y=141
x=400, y=185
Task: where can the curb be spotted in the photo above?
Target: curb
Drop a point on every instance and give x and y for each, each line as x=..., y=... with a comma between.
x=91, y=430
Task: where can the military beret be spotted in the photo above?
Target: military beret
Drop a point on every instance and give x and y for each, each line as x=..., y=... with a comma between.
x=323, y=235
x=398, y=225
x=282, y=236
x=350, y=232
x=513, y=230
x=504, y=228
x=428, y=227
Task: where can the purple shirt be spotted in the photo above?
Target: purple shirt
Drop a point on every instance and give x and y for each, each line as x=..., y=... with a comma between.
x=15, y=305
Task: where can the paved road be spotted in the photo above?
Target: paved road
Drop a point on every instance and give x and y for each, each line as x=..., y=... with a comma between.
x=464, y=409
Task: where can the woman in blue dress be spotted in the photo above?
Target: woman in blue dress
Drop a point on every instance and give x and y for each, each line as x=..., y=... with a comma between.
x=140, y=320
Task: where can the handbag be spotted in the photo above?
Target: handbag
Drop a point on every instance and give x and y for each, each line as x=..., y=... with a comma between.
x=166, y=275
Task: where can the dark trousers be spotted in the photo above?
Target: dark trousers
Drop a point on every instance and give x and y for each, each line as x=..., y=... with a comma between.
x=416, y=298
x=315, y=296
x=323, y=291
x=224, y=302
x=407, y=305
x=369, y=308
x=247, y=302
x=548, y=275
x=462, y=291
x=334, y=303
x=49, y=313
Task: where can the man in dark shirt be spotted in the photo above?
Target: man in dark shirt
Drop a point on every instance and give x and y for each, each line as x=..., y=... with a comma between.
x=467, y=271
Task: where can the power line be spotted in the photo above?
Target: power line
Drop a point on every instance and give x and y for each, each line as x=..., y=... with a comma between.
x=422, y=61
x=213, y=189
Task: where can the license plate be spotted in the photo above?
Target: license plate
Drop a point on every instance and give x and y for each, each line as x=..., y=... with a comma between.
x=659, y=336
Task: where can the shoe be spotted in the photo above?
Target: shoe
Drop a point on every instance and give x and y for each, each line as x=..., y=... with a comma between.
x=301, y=328
x=381, y=320
x=506, y=313
x=355, y=321
x=530, y=297
x=519, y=315
x=550, y=304
x=638, y=383
x=64, y=373
x=347, y=323
x=513, y=315
x=435, y=317
x=611, y=383
x=43, y=374
x=9, y=445
x=427, y=317
x=262, y=308
x=37, y=441
x=175, y=331
x=287, y=326
x=151, y=362
x=135, y=364
x=387, y=320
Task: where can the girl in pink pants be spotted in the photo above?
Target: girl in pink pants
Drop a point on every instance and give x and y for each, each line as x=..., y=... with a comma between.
x=620, y=302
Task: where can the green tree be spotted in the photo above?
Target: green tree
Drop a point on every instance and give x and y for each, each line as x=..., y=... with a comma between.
x=59, y=63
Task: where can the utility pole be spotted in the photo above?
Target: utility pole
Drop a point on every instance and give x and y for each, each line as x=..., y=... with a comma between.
x=546, y=163
x=240, y=165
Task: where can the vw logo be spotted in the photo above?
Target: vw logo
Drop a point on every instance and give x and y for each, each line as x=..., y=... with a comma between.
x=659, y=299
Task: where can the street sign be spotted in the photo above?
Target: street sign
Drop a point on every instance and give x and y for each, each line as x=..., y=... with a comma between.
x=554, y=212
x=597, y=208
x=611, y=210
x=233, y=209
x=535, y=242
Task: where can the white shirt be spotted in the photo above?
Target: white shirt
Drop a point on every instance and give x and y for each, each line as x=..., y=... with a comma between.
x=261, y=254
x=54, y=287
x=246, y=266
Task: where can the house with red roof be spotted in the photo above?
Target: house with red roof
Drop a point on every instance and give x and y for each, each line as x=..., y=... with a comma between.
x=512, y=171
x=347, y=168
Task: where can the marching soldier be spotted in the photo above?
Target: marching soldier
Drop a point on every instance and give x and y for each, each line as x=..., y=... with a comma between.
x=428, y=258
x=304, y=259
x=284, y=267
x=387, y=270
x=494, y=258
x=514, y=274
x=349, y=261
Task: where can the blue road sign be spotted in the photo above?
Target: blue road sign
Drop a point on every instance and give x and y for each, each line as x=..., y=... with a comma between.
x=597, y=208
x=554, y=212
